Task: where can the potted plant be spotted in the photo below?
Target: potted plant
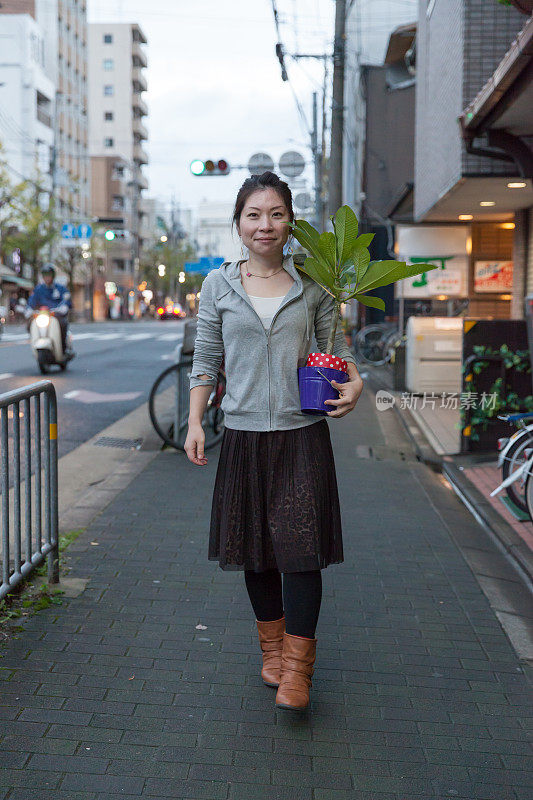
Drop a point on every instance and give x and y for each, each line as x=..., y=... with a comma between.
x=525, y=6
x=340, y=262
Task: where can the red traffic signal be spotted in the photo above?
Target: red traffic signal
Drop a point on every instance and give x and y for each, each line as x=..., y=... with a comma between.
x=210, y=167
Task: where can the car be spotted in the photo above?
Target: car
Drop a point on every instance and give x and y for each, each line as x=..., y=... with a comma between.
x=171, y=311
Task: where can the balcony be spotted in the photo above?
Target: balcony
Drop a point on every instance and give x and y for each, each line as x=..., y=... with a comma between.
x=139, y=81
x=138, y=52
x=139, y=129
x=139, y=155
x=140, y=104
x=142, y=181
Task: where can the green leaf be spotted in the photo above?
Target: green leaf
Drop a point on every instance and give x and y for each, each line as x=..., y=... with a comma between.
x=309, y=240
x=319, y=274
x=365, y=239
x=372, y=302
x=348, y=276
x=326, y=246
x=383, y=273
x=346, y=227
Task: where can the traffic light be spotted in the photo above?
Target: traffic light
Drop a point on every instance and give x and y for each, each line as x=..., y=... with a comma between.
x=113, y=233
x=209, y=167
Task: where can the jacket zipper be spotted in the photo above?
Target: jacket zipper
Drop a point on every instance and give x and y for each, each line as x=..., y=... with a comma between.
x=269, y=353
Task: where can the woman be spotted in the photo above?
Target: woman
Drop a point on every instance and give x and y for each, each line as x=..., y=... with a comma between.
x=275, y=504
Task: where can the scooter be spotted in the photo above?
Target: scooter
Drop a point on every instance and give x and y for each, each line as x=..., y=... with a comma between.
x=45, y=340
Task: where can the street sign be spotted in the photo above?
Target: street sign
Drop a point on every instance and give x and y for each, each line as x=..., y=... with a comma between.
x=303, y=201
x=84, y=231
x=204, y=265
x=291, y=164
x=259, y=163
x=68, y=231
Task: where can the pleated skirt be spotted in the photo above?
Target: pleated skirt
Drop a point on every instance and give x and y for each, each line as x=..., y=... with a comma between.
x=275, y=501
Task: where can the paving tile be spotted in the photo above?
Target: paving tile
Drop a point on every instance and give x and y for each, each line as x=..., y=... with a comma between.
x=417, y=692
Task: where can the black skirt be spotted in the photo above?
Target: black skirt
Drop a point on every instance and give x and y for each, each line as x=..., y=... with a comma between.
x=275, y=501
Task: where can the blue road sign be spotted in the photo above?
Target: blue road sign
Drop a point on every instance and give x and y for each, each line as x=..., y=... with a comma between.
x=84, y=231
x=68, y=231
x=204, y=265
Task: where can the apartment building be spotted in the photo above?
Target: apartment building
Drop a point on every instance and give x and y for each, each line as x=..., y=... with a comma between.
x=116, y=135
x=468, y=169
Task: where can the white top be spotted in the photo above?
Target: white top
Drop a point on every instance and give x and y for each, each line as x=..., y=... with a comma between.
x=266, y=307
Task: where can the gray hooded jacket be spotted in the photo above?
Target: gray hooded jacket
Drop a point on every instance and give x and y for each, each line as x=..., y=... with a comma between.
x=261, y=365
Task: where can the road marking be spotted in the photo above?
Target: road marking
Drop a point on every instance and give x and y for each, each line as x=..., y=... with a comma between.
x=6, y=375
x=104, y=337
x=169, y=337
x=77, y=336
x=136, y=337
x=14, y=337
x=85, y=396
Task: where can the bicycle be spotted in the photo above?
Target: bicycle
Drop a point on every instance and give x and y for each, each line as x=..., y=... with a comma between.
x=168, y=406
x=513, y=455
x=372, y=343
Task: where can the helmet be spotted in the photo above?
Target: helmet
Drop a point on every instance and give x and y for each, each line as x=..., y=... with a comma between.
x=48, y=269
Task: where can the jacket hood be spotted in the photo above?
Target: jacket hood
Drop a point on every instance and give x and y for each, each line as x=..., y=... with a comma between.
x=232, y=274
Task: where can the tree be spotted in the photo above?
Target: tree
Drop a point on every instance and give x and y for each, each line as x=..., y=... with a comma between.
x=33, y=223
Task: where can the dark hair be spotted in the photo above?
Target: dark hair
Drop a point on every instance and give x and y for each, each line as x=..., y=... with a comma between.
x=268, y=180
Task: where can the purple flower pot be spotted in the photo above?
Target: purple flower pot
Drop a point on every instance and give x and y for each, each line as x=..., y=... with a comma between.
x=314, y=389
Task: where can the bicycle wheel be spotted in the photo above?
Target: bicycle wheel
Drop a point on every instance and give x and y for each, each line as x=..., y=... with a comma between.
x=529, y=494
x=168, y=406
x=392, y=341
x=369, y=343
x=514, y=459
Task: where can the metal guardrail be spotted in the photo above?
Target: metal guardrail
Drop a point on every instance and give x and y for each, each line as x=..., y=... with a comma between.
x=14, y=406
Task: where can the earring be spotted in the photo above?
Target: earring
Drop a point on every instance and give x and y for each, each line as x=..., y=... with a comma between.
x=287, y=247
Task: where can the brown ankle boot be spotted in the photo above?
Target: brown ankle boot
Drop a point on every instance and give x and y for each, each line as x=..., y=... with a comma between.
x=271, y=641
x=297, y=660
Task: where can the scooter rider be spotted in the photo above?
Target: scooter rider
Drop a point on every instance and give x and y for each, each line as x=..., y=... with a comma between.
x=55, y=297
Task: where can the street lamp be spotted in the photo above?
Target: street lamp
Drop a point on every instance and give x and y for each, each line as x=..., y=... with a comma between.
x=161, y=269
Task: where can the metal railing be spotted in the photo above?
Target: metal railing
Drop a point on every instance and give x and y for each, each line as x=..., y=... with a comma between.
x=43, y=512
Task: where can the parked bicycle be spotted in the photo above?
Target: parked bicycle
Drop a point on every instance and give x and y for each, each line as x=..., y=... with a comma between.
x=373, y=343
x=513, y=456
x=168, y=406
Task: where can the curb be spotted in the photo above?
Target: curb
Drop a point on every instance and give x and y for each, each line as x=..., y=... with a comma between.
x=501, y=533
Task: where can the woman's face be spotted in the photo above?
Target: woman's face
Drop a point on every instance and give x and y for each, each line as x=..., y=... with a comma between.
x=262, y=226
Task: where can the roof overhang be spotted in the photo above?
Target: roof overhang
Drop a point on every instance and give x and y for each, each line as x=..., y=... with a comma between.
x=466, y=196
x=506, y=100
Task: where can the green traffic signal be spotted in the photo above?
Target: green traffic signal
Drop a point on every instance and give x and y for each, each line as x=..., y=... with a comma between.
x=109, y=235
x=209, y=167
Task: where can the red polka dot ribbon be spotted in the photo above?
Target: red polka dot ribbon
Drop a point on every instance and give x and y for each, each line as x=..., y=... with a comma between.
x=323, y=360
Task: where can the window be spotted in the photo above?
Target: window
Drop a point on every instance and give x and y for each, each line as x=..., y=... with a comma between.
x=108, y=116
x=108, y=64
x=108, y=141
x=108, y=89
x=108, y=38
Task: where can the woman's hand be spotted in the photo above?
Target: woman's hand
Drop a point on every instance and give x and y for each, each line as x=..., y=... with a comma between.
x=194, y=445
x=349, y=394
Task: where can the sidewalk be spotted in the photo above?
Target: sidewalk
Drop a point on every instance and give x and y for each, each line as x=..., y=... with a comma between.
x=417, y=692
x=435, y=433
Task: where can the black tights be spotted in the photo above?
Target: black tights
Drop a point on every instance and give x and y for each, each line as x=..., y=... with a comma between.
x=301, y=597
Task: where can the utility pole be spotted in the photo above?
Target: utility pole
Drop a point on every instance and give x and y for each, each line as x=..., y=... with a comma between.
x=317, y=157
x=337, y=110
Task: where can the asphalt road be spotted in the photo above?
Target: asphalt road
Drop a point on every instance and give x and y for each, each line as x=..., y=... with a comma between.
x=115, y=366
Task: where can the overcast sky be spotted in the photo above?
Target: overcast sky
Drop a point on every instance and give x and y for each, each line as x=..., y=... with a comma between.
x=214, y=83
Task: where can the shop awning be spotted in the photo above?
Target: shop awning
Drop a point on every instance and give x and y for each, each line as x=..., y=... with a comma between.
x=8, y=276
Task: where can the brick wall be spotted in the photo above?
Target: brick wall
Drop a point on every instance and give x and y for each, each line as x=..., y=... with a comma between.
x=489, y=29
